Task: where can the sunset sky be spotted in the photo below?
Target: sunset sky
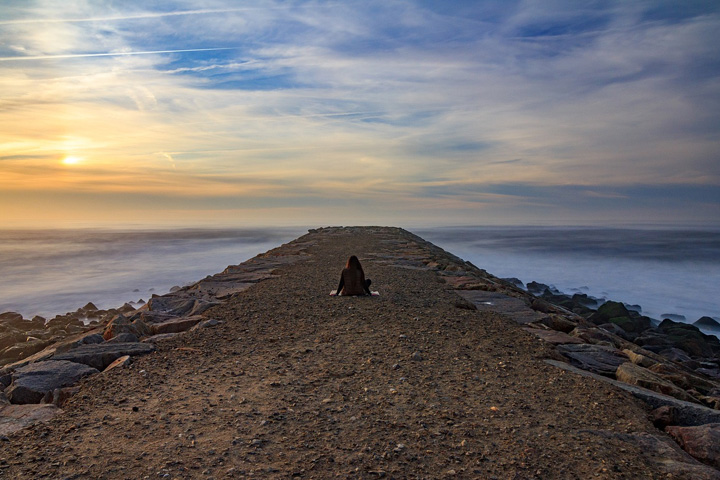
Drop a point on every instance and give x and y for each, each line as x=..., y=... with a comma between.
x=220, y=112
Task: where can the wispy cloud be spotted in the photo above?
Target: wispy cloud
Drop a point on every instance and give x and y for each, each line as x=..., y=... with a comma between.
x=109, y=54
x=412, y=104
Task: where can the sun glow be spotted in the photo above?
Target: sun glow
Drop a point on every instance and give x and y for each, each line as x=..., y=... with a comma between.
x=70, y=160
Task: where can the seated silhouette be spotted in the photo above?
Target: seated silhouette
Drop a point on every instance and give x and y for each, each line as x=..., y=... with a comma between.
x=352, y=279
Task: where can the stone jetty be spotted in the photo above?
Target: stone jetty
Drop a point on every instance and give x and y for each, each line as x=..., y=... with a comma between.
x=449, y=373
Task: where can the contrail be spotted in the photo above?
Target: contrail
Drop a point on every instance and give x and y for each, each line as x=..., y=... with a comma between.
x=207, y=11
x=122, y=17
x=112, y=54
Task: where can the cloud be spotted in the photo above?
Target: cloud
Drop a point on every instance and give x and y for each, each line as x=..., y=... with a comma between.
x=411, y=102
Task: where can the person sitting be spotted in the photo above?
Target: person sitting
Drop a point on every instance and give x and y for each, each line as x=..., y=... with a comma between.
x=352, y=279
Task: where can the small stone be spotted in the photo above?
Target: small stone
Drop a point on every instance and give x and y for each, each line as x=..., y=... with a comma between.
x=416, y=356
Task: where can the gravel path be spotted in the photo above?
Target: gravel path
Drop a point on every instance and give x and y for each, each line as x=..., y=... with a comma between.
x=296, y=383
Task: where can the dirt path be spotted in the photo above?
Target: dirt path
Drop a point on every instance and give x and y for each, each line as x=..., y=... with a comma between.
x=296, y=383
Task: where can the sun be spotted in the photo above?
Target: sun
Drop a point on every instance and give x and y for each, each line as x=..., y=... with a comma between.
x=70, y=160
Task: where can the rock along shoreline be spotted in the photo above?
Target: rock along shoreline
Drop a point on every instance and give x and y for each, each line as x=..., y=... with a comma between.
x=672, y=367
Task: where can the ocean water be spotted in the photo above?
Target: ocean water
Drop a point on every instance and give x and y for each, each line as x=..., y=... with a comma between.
x=50, y=272
x=668, y=272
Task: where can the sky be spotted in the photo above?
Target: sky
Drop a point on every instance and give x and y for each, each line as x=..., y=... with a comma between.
x=393, y=112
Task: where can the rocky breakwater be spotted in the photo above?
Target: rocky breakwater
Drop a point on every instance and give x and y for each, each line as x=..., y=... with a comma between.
x=41, y=361
x=672, y=366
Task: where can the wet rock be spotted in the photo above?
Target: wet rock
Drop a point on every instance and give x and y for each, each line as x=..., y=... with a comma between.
x=642, y=377
x=89, y=307
x=31, y=382
x=99, y=356
x=594, y=358
x=708, y=323
x=537, y=288
x=702, y=442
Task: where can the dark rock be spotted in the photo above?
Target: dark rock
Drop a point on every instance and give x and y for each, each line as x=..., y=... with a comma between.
x=616, y=329
x=632, y=325
x=90, y=307
x=663, y=416
x=708, y=323
x=124, y=338
x=612, y=309
x=127, y=308
x=686, y=413
x=537, y=288
x=702, y=442
x=559, y=323
x=99, y=356
x=665, y=454
x=515, y=282
x=31, y=382
x=597, y=336
x=690, y=339
x=681, y=357
x=594, y=358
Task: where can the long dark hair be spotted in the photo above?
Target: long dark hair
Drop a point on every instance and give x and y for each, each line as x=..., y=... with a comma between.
x=354, y=264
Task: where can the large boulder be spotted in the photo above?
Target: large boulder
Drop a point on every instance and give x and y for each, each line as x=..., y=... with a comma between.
x=702, y=442
x=642, y=377
x=690, y=339
x=617, y=313
x=32, y=382
x=99, y=356
x=594, y=358
x=708, y=323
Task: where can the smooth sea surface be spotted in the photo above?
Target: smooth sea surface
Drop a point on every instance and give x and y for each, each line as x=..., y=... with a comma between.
x=51, y=272
x=665, y=271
